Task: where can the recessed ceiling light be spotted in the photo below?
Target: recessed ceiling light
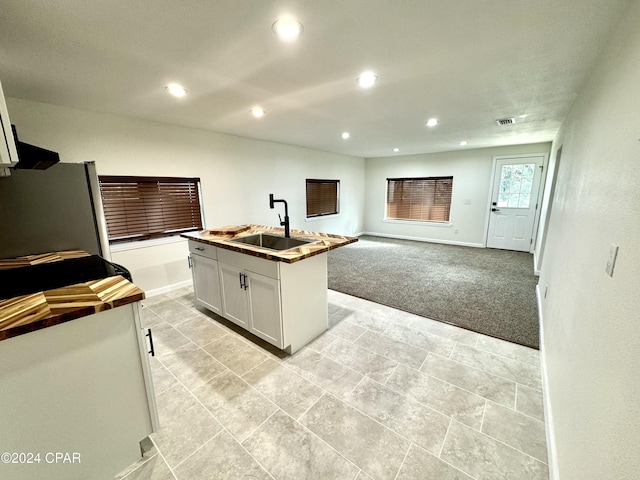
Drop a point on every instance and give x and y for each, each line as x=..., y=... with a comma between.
x=287, y=29
x=432, y=122
x=524, y=115
x=176, y=90
x=396, y=150
x=367, y=79
x=345, y=135
x=257, y=112
x=463, y=143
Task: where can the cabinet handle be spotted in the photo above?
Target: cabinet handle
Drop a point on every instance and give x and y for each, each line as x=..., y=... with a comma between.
x=246, y=285
x=241, y=283
x=189, y=261
x=152, y=351
x=200, y=249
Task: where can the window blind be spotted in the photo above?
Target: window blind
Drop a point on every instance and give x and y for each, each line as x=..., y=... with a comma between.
x=322, y=197
x=140, y=208
x=420, y=199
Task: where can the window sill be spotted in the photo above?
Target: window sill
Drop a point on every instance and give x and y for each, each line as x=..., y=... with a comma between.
x=121, y=247
x=321, y=217
x=419, y=223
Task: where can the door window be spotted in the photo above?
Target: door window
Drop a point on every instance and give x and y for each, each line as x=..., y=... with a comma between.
x=516, y=183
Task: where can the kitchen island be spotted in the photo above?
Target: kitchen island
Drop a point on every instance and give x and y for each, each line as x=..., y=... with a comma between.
x=76, y=385
x=277, y=295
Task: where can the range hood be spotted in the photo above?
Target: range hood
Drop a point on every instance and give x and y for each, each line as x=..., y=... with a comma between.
x=17, y=154
x=32, y=157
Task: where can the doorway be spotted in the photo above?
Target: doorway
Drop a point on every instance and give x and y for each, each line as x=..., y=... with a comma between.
x=514, y=202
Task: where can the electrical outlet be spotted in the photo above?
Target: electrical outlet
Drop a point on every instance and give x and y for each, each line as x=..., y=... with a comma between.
x=613, y=253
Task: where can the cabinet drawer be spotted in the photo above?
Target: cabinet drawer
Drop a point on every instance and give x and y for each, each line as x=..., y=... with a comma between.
x=203, y=249
x=244, y=261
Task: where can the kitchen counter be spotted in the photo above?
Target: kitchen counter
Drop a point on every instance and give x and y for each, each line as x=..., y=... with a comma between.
x=223, y=238
x=52, y=377
x=272, y=294
x=28, y=313
x=83, y=387
x=41, y=258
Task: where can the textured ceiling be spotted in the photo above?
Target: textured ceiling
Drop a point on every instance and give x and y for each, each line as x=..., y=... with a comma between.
x=466, y=62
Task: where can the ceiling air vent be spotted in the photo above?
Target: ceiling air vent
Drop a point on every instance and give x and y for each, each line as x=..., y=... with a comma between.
x=505, y=121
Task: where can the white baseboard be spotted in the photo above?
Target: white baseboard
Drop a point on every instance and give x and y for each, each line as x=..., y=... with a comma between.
x=552, y=453
x=168, y=288
x=421, y=239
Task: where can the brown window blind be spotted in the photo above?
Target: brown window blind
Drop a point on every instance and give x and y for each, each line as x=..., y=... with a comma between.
x=420, y=199
x=140, y=208
x=322, y=197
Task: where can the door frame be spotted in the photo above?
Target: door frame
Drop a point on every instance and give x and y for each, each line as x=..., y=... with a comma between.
x=543, y=183
x=552, y=177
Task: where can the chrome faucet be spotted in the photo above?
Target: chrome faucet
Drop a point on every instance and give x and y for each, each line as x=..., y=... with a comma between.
x=284, y=223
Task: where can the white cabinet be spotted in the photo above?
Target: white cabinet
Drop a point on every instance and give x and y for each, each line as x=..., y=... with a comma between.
x=8, y=152
x=82, y=386
x=206, y=282
x=264, y=308
x=206, y=278
x=232, y=280
x=252, y=301
x=283, y=303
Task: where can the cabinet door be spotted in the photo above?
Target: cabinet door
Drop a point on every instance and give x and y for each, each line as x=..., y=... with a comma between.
x=234, y=302
x=146, y=350
x=264, y=305
x=206, y=282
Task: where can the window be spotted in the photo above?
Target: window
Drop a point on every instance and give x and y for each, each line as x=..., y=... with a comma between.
x=419, y=199
x=516, y=183
x=140, y=208
x=322, y=197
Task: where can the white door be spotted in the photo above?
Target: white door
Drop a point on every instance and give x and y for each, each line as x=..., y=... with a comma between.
x=514, y=198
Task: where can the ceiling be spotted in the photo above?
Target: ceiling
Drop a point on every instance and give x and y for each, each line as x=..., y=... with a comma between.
x=465, y=62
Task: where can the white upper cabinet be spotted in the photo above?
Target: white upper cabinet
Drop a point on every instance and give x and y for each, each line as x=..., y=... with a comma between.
x=8, y=151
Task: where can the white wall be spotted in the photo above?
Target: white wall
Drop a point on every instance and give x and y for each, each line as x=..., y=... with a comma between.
x=471, y=170
x=591, y=322
x=237, y=174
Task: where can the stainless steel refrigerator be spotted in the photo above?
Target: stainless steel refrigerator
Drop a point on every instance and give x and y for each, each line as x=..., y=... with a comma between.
x=51, y=210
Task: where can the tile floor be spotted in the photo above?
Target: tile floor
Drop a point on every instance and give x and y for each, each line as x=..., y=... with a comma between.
x=383, y=394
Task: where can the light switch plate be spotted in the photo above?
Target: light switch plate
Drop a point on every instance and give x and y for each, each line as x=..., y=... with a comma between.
x=613, y=253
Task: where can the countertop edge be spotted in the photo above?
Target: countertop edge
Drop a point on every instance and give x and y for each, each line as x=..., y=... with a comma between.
x=37, y=311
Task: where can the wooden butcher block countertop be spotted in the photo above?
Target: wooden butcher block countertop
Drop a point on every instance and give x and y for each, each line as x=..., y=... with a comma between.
x=28, y=313
x=41, y=258
x=223, y=237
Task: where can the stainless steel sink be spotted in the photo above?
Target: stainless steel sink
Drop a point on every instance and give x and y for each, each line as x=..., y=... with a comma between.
x=272, y=242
